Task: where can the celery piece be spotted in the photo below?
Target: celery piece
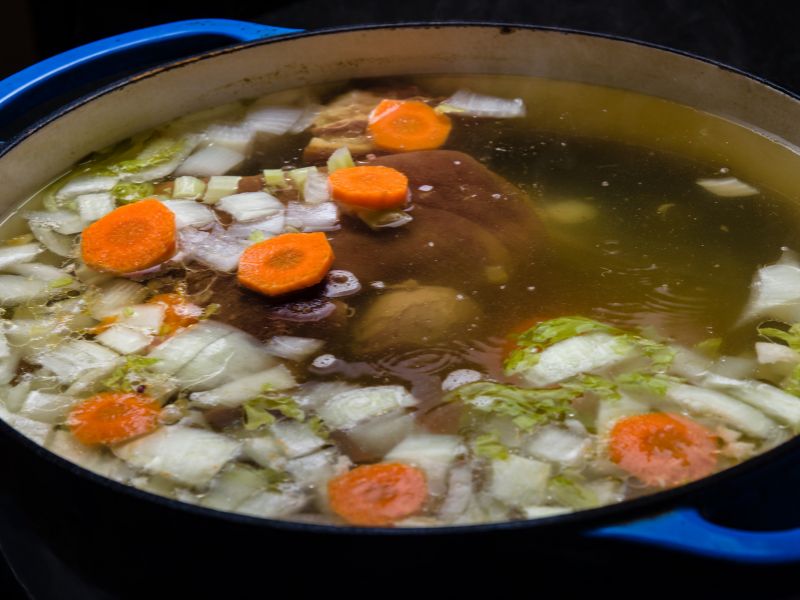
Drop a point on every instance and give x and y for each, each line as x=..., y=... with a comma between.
x=299, y=176
x=340, y=159
x=220, y=186
x=188, y=188
x=275, y=179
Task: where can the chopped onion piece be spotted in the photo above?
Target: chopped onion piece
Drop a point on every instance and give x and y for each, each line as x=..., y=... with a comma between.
x=775, y=292
x=188, y=188
x=190, y=456
x=62, y=245
x=15, y=289
x=727, y=187
x=236, y=392
x=384, y=219
x=257, y=231
x=433, y=453
x=372, y=439
x=293, y=348
x=299, y=176
x=770, y=353
x=86, y=184
x=211, y=249
x=312, y=217
x=271, y=505
x=57, y=280
x=35, y=430
x=316, y=188
x=339, y=283
x=92, y=207
x=146, y=318
x=251, y=206
x=178, y=350
x=15, y=255
x=220, y=186
x=226, y=359
x=74, y=358
x=519, y=481
x=296, y=439
x=273, y=119
x=189, y=213
x=47, y=408
x=734, y=413
x=8, y=366
x=460, y=487
x=556, y=444
x=235, y=137
x=211, y=160
x=349, y=408
x=65, y=222
x=114, y=296
x=124, y=340
x=464, y=102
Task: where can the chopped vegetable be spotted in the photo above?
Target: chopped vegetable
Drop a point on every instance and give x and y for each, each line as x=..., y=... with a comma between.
x=113, y=417
x=286, y=263
x=727, y=187
x=312, y=217
x=220, y=186
x=663, y=449
x=188, y=187
x=131, y=238
x=518, y=481
x=251, y=206
x=378, y=495
x=129, y=192
x=464, y=102
x=373, y=187
x=15, y=255
x=92, y=207
x=178, y=312
x=351, y=407
x=236, y=392
x=189, y=213
x=526, y=407
x=340, y=159
x=402, y=126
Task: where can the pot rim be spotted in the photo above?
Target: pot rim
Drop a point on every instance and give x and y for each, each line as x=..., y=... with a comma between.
x=584, y=519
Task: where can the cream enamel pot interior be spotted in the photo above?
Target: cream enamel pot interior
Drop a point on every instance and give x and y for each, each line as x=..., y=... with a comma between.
x=141, y=101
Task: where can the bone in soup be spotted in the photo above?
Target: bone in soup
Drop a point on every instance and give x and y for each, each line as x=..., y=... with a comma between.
x=442, y=301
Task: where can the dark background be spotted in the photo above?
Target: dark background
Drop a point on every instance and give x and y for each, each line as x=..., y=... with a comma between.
x=761, y=37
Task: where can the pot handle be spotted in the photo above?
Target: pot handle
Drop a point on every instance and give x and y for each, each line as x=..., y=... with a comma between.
x=104, y=60
x=686, y=530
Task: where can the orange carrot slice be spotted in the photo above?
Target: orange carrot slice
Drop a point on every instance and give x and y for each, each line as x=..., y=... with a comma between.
x=405, y=125
x=286, y=263
x=663, y=449
x=379, y=494
x=376, y=188
x=178, y=312
x=130, y=238
x=113, y=417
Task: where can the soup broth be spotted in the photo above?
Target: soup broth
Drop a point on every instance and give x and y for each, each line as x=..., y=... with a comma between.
x=575, y=306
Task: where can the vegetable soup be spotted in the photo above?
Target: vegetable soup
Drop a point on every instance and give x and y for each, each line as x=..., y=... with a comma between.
x=420, y=302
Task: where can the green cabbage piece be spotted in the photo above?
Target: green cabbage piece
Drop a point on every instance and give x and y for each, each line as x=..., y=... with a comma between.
x=489, y=445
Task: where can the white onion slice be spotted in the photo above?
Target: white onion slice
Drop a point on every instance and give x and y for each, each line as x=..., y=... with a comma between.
x=316, y=188
x=216, y=251
x=211, y=160
x=62, y=245
x=478, y=105
x=15, y=289
x=293, y=348
x=114, y=296
x=15, y=255
x=312, y=217
x=256, y=231
x=65, y=222
x=86, y=184
x=273, y=119
x=92, y=207
x=238, y=138
x=251, y=206
x=727, y=187
x=189, y=213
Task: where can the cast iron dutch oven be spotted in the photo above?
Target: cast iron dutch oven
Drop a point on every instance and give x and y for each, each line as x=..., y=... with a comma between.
x=138, y=544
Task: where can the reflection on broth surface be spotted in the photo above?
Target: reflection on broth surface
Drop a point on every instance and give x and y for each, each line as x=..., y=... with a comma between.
x=584, y=296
